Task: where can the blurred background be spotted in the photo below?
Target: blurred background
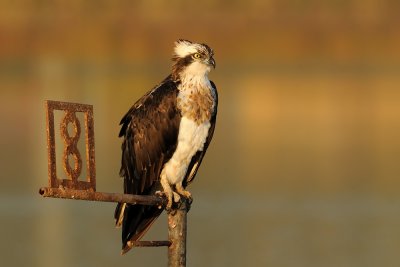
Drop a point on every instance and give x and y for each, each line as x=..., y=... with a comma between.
x=304, y=167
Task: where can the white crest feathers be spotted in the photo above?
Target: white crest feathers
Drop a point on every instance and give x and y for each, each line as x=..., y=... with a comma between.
x=184, y=48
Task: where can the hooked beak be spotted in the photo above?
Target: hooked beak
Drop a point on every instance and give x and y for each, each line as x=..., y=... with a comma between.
x=211, y=61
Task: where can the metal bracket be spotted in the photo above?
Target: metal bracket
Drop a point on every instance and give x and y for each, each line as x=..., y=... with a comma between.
x=70, y=145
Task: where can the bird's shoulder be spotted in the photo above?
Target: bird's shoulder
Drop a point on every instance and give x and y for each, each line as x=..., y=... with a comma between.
x=158, y=100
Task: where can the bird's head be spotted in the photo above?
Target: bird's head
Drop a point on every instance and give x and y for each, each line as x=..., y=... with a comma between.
x=191, y=59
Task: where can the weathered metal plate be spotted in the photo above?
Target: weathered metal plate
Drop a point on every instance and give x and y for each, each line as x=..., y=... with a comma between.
x=70, y=145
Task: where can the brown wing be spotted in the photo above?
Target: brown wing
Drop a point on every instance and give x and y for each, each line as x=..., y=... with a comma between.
x=150, y=132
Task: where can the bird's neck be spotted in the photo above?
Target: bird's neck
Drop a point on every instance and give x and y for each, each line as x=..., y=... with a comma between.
x=195, y=99
x=195, y=76
x=195, y=83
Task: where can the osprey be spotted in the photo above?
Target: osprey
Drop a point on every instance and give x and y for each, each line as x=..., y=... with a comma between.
x=165, y=136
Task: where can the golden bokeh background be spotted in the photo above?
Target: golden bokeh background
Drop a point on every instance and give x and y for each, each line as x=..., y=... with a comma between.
x=304, y=167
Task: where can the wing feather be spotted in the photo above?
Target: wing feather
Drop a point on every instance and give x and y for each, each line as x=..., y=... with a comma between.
x=150, y=132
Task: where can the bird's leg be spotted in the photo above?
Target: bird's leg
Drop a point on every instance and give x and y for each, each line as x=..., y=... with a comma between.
x=177, y=197
x=183, y=192
x=167, y=190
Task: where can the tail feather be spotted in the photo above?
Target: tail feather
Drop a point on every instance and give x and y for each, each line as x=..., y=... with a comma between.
x=119, y=214
x=136, y=221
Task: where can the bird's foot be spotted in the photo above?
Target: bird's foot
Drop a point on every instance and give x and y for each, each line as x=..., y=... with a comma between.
x=177, y=197
x=186, y=194
x=162, y=195
x=171, y=198
x=174, y=198
x=169, y=195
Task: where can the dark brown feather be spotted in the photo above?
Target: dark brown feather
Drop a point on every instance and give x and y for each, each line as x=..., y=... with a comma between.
x=150, y=132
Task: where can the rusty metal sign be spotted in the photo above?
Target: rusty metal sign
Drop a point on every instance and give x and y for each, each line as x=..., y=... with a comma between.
x=70, y=145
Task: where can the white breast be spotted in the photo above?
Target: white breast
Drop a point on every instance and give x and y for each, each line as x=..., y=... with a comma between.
x=191, y=139
x=194, y=126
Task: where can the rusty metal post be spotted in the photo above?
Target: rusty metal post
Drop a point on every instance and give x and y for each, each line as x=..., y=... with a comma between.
x=177, y=228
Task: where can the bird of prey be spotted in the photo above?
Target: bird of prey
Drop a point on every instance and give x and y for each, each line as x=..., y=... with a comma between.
x=165, y=136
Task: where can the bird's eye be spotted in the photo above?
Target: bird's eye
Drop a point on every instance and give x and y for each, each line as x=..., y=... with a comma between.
x=197, y=55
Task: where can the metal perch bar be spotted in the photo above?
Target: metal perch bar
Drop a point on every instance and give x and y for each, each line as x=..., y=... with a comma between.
x=150, y=243
x=101, y=196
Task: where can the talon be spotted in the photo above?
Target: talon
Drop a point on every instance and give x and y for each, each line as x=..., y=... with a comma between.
x=177, y=197
x=167, y=191
x=168, y=208
x=188, y=196
x=190, y=199
x=169, y=203
x=189, y=206
x=183, y=192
